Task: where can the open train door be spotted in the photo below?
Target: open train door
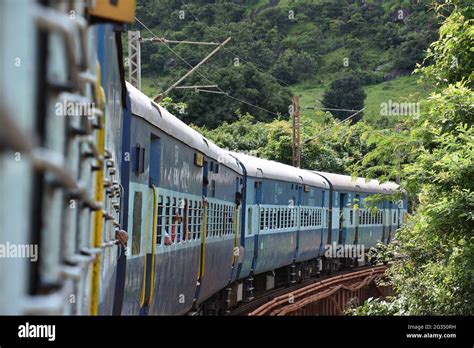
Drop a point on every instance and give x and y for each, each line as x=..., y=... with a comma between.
x=149, y=273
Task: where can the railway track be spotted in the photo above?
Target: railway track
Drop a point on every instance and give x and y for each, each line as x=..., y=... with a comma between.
x=267, y=303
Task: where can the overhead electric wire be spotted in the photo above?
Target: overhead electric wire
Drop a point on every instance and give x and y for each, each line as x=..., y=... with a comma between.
x=324, y=131
x=204, y=76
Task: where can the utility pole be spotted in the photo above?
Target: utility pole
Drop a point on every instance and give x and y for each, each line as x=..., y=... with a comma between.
x=296, y=143
x=134, y=59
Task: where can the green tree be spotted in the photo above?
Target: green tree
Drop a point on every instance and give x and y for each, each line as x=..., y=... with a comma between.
x=293, y=66
x=345, y=93
x=436, y=164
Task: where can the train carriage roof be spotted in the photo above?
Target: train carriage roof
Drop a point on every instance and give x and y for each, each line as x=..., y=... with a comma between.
x=258, y=167
x=347, y=183
x=145, y=108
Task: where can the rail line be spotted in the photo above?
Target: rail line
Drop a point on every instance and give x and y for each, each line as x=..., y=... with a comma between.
x=271, y=302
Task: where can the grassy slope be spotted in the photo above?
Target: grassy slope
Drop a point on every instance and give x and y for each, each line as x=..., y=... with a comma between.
x=402, y=89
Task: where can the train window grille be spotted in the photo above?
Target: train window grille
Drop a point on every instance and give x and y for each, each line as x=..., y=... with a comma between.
x=275, y=218
x=223, y=220
x=351, y=217
x=267, y=216
x=212, y=218
x=272, y=219
x=217, y=220
x=262, y=219
x=185, y=226
x=159, y=228
x=196, y=223
x=199, y=220
x=228, y=220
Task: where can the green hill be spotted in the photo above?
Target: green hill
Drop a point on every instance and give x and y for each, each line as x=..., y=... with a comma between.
x=281, y=48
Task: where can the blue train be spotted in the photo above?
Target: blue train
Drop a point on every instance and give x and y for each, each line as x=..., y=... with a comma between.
x=207, y=228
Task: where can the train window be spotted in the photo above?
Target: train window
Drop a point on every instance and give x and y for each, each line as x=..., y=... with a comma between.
x=189, y=224
x=216, y=219
x=195, y=221
x=210, y=217
x=249, y=221
x=199, y=220
x=185, y=221
x=139, y=159
x=137, y=223
x=270, y=219
x=216, y=168
x=262, y=214
x=265, y=219
x=351, y=217
x=159, y=227
x=223, y=220
x=220, y=219
x=175, y=228
x=213, y=188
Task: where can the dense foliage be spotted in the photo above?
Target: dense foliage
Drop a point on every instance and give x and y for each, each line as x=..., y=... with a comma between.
x=436, y=163
x=329, y=146
x=345, y=93
x=432, y=152
x=276, y=44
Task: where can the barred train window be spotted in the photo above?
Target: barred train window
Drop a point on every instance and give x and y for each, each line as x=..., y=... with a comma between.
x=160, y=220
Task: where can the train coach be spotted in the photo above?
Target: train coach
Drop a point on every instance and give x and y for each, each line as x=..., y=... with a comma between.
x=184, y=186
x=208, y=228
x=62, y=101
